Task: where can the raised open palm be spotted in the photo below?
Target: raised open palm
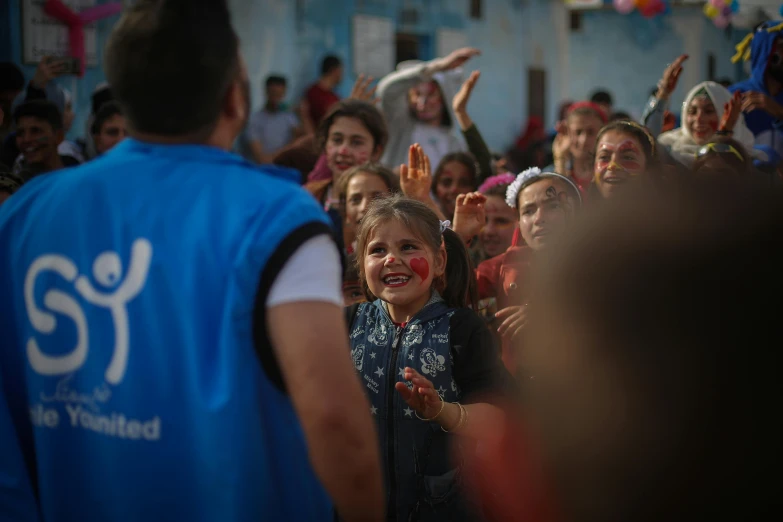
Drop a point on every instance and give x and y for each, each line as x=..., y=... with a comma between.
x=469, y=215
x=416, y=176
x=422, y=396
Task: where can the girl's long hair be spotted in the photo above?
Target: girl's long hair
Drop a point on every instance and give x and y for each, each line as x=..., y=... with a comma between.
x=458, y=286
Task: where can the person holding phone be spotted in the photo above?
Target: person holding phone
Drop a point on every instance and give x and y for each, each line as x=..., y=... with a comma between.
x=41, y=87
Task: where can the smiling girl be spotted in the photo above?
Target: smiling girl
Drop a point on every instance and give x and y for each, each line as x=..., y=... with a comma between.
x=456, y=174
x=356, y=189
x=702, y=112
x=426, y=358
x=624, y=151
x=352, y=133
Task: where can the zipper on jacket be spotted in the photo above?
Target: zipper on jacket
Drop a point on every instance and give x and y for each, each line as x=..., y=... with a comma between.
x=390, y=426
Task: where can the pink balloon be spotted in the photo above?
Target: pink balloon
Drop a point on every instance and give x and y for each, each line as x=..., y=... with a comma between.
x=718, y=3
x=76, y=21
x=721, y=22
x=624, y=6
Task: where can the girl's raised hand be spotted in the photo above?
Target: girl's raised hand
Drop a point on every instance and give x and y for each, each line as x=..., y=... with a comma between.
x=361, y=89
x=671, y=76
x=461, y=99
x=469, y=215
x=422, y=397
x=416, y=176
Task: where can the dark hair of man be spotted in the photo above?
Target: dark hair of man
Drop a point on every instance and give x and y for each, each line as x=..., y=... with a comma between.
x=170, y=65
x=11, y=77
x=275, y=80
x=601, y=97
x=329, y=64
x=108, y=110
x=42, y=110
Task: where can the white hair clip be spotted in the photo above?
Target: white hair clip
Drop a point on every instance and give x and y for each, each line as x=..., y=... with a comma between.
x=534, y=173
x=513, y=188
x=444, y=225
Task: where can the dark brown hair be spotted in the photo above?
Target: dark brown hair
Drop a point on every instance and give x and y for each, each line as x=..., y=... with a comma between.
x=465, y=158
x=713, y=161
x=389, y=178
x=641, y=134
x=459, y=290
x=371, y=118
x=170, y=65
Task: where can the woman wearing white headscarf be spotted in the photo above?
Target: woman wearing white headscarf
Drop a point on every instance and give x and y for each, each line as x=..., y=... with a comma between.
x=701, y=115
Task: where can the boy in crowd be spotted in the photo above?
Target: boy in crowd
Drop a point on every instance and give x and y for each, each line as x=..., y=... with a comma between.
x=39, y=131
x=108, y=129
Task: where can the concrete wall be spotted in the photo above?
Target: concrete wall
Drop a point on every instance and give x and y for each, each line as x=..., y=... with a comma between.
x=627, y=54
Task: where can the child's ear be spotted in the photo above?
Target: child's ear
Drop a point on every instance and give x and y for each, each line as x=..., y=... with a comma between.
x=441, y=258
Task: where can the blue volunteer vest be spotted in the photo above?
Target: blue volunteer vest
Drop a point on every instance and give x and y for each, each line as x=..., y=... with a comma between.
x=132, y=389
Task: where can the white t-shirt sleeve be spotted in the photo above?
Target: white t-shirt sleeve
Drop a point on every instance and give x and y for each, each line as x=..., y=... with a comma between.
x=312, y=273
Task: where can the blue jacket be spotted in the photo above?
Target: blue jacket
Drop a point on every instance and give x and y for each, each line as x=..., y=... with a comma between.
x=131, y=384
x=765, y=128
x=453, y=349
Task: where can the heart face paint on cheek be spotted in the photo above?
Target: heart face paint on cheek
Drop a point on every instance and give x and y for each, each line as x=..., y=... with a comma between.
x=421, y=267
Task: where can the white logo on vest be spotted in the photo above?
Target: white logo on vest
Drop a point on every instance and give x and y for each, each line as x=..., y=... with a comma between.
x=107, y=270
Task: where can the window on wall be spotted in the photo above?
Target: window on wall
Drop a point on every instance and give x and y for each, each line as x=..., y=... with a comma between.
x=407, y=47
x=476, y=9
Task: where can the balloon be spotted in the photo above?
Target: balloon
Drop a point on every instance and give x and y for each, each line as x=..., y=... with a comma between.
x=781, y=10
x=718, y=4
x=711, y=11
x=735, y=6
x=624, y=6
x=721, y=22
x=641, y=4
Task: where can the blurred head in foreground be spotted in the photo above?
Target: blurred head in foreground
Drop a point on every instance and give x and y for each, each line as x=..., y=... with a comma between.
x=655, y=352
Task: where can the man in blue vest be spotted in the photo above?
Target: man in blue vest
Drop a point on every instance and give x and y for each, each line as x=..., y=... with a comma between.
x=172, y=344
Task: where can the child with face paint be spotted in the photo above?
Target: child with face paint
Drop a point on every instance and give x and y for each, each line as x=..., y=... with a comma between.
x=426, y=358
x=415, y=101
x=545, y=203
x=624, y=151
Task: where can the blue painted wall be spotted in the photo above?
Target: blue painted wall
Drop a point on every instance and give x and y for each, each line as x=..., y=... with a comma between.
x=625, y=54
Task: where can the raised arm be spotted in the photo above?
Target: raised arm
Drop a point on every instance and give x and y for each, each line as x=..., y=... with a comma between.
x=470, y=132
x=393, y=88
x=657, y=105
